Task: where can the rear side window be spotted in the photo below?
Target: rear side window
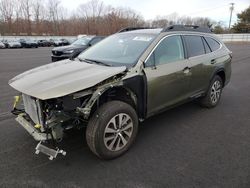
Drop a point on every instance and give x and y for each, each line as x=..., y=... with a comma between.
x=194, y=45
x=214, y=45
x=207, y=48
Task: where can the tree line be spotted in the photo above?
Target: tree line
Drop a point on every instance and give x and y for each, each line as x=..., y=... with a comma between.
x=243, y=24
x=49, y=17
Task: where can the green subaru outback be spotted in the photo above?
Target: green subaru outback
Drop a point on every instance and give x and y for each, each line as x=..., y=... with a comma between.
x=119, y=82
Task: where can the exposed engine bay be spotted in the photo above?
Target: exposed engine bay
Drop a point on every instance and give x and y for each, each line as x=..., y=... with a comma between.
x=47, y=120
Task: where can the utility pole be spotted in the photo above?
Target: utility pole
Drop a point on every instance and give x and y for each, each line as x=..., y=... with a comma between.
x=231, y=12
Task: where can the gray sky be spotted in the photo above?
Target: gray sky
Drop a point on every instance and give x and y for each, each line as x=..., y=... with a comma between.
x=217, y=10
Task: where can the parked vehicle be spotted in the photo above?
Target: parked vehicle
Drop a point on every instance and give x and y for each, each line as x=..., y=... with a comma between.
x=81, y=36
x=55, y=42
x=28, y=43
x=75, y=48
x=2, y=45
x=119, y=82
x=64, y=42
x=14, y=44
x=5, y=42
x=72, y=40
x=43, y=43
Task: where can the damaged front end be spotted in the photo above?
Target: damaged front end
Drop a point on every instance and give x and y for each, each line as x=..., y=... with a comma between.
x=47, y=120
x=44, y=121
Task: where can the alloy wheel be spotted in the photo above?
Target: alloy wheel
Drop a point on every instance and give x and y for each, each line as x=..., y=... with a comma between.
x=118, y=132
x=215, y=92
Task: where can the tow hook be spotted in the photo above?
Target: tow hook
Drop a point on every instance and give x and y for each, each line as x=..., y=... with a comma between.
x=52, y=153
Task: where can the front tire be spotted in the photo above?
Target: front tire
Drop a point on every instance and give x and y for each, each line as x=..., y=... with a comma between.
x=213, y=95
x=112, y=129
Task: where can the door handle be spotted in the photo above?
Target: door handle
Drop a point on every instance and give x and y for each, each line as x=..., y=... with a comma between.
x=186, y=70
x=213, y=61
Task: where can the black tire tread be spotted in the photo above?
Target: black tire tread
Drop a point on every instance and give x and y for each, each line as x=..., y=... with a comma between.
x=206, y=101
x=92, y=127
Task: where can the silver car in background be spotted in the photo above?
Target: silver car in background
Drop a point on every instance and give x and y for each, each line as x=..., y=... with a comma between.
x=14, y=44
x=2, y=45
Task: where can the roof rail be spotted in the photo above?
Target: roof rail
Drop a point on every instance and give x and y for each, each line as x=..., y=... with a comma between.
x=133, y=28
x=194, y=28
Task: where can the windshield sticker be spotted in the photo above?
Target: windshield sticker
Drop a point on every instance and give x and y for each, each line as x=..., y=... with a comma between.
x=142, y=38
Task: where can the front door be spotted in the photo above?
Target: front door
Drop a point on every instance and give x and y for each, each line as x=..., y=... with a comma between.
x=168, y=75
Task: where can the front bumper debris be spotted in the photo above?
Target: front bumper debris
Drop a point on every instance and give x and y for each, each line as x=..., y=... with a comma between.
x=35, y=133
x=52, y=153
x=38, y=136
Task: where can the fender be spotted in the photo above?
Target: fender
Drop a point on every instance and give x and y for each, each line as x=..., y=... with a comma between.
x=138, y=85
x=86, y=110
x=216, y=71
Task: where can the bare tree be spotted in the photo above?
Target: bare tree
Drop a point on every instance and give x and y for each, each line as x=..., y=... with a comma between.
x=17, y=25
x=63, y=20
x=53, y=7
x=160, y=22
x=94, y=17
x=206, y=22
x=91, y=13
x=26, y=6
x=39, y=14
x=7, y=11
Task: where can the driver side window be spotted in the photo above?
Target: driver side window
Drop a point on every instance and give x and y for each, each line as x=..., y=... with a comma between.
x=169, y=50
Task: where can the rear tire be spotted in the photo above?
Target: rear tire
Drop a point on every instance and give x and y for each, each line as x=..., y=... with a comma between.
x=112, y=129
x=213, y=95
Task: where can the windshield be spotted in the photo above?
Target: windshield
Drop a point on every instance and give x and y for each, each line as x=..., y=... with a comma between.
x=83, y=41
x=119, y=49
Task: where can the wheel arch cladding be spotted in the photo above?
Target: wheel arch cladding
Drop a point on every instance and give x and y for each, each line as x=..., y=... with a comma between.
x=138, y=85
x=222, y=75
x=132, y=91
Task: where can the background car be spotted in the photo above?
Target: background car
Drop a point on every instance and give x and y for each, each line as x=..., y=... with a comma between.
x=2, y=45
x=14, y=44
x=64, y=42
x=28, y=43
x=43, y=43
x=72, y=40
x=5, y=42
x=55, y=42
x=75, y=48
x=81, y=36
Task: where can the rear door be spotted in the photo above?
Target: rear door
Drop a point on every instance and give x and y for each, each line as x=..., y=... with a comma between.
x=167, y=73
x=199, y=63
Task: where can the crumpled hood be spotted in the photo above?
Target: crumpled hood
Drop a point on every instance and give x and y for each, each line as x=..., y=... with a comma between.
x=62, y=78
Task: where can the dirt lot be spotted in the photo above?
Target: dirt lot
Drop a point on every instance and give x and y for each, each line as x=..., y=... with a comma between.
x=185, y=147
